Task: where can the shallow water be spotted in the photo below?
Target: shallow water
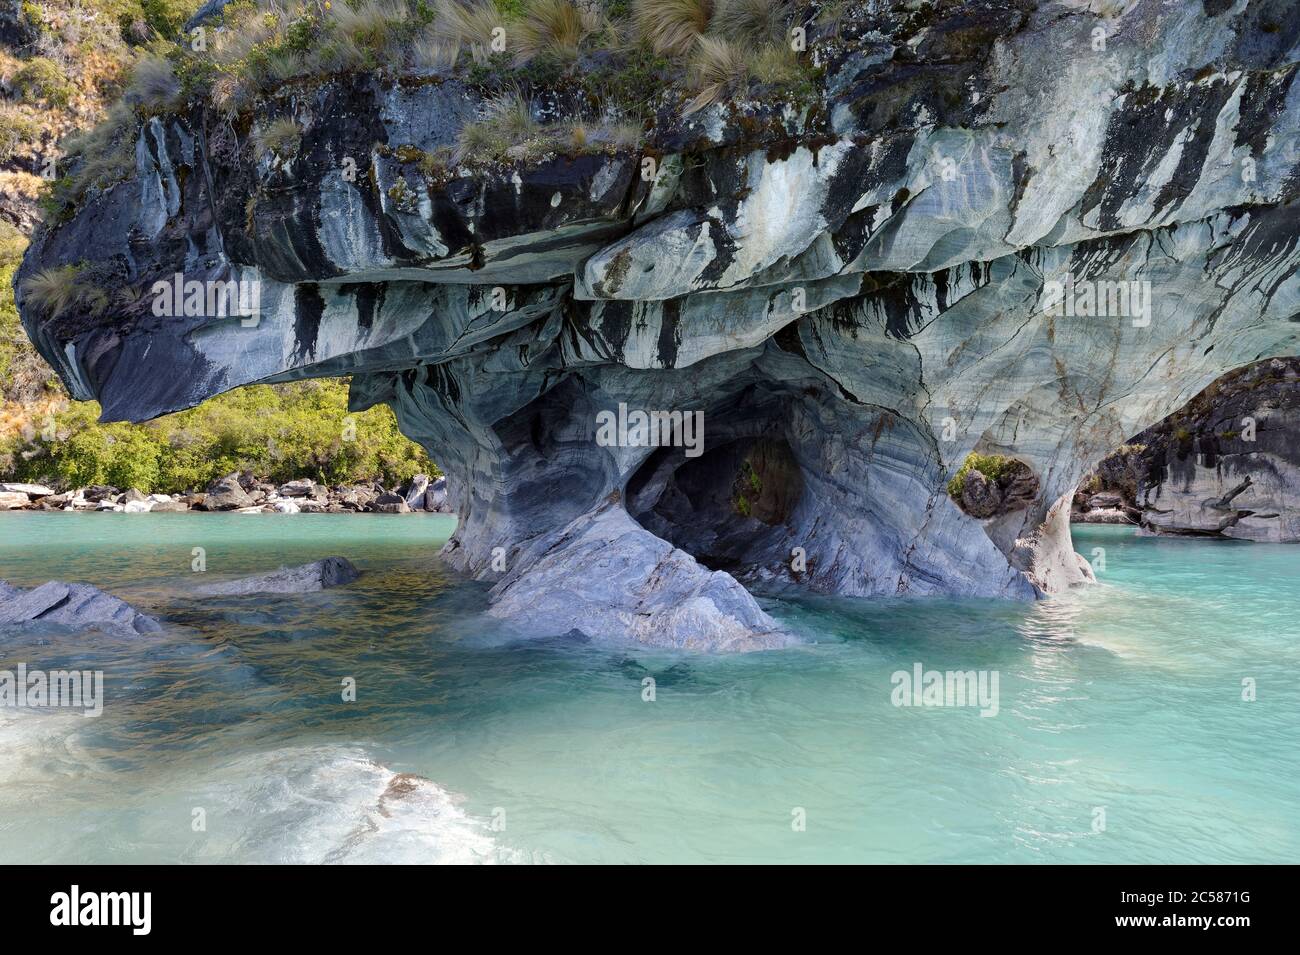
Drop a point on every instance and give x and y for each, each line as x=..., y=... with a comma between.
x=225, y=738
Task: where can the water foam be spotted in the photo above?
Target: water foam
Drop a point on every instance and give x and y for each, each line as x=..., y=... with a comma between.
x=335, y=804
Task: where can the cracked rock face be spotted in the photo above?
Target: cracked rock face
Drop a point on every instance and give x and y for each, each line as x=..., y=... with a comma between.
x=987, y=235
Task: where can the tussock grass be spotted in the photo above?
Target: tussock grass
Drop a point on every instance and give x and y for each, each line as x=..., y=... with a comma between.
x=718, y=68
x=373, y=25
x=95, y=159
x=56, y=290
x=672, y=26
x=507, y=129
x=468, y=25
x=754, y=23
x=553, y=28
x=506, y=120
x=427, y=51
x=280, y=137
x=154, y=86
x=721, y=68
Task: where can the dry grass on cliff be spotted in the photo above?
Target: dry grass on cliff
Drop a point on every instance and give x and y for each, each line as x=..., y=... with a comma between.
x=54, y=291
x=279, y=137
x=672, y=26
x=753, y=23
x=154, y=86
x=722, y=68
x=506, y=122
x=509, y=130
x=470, y=26
x=553, y=28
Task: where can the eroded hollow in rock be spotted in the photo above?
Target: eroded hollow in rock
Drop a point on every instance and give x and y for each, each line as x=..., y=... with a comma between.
x=726, y=507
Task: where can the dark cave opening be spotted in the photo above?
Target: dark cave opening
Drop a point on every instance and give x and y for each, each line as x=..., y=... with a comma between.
x=726, y=507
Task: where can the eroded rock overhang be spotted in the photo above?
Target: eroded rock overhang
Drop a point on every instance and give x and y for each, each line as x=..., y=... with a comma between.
x=855, y=294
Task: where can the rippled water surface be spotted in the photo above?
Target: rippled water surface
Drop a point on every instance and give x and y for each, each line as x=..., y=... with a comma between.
x=225, y=738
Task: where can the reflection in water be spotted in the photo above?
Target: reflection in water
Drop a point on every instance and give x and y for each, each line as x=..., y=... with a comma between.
x=466, y=744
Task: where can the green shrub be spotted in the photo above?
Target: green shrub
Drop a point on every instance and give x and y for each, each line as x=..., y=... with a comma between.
x=12, y=245
x=280, y=432
x=167, y=17
x=992, y=466
x=42, y=79
x=16, y=129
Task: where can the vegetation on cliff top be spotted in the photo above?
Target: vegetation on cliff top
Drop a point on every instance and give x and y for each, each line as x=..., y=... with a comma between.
x=604, y=68
x=79, y=59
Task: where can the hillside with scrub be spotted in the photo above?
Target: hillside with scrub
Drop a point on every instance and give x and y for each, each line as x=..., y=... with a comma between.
x=63, y=64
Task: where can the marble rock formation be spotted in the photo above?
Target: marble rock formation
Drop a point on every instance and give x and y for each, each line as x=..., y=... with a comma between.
x=305, y=578
x=988, y=232
x=77, y=606
x=1225, y=465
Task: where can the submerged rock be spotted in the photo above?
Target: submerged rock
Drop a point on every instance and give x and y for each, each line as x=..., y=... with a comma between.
x=306, y=578
x=965, y=239
x=78, y=606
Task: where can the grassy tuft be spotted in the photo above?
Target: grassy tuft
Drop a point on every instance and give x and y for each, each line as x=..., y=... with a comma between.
x=279, y=137
x=718, y=68
x=753, y=23
x=470, y=25
x=553, y=28
x=54, y=291
x=505, y=121
x=672, y=26
x=154, y=86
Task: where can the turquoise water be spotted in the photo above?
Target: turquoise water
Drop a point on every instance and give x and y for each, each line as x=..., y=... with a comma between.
x=225, y=738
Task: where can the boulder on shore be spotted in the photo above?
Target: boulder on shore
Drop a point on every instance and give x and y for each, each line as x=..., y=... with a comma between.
x=226, y=494
x=304, y=487
x=414, y=492
x=329, y=572
x=31, y=490
x=71, y=605
x=435, y=497
x=390, y=503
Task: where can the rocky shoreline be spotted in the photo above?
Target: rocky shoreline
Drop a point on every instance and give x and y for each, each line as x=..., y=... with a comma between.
x=241, y=493
x=1224, y=465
